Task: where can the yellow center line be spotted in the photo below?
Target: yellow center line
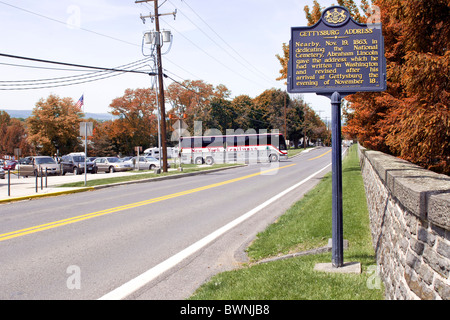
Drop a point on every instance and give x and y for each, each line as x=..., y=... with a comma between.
x=63, y=222
x=320, y=155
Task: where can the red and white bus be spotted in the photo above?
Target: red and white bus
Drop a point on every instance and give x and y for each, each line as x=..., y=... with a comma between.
x=240, y=148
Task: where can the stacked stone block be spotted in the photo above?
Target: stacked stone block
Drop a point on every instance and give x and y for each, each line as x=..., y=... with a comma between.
x=409, y=211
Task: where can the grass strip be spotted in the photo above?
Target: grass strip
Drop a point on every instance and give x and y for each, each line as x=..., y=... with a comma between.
x=144, y=175
x=306, y=225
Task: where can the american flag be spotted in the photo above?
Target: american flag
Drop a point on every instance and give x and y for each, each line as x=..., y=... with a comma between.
x=80, y=102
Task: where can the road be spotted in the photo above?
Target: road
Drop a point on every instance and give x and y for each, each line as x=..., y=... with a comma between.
x=157, y=240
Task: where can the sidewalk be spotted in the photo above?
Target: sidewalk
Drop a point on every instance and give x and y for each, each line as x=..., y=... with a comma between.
x=22, y=188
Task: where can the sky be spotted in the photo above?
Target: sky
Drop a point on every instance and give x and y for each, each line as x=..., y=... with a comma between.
x=232, y=42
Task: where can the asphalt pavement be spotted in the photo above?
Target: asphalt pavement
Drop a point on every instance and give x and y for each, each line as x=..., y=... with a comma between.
x=123, y=235
x=17, y=188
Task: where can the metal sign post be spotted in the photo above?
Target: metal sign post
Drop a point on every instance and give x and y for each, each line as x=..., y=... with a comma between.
x=337, y=258
x=86, y=129
x=334, y=58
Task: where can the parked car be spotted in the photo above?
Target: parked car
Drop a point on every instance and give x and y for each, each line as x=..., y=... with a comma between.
x=9, y=165
x=144, y=163
x=36, y=165
x=26, y=160
x=74, y=163
x=2, y=173
x=112, y=164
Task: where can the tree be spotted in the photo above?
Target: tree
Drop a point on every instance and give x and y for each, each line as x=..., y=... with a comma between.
x=102, y=142
x=13, y=134
x=193, y=98
x=137, y=123
x=221, y=116
x=412, y=118
x=54, y=125
x=242, y=105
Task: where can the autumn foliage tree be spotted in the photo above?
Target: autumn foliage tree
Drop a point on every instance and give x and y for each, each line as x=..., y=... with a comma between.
x=54, y=126
x=13, y=135
x=411, y=119
x=193, y=98
x=137, y=120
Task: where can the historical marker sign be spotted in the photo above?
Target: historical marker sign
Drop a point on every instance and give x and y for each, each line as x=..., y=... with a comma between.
x=336, y=57
x=337, y=54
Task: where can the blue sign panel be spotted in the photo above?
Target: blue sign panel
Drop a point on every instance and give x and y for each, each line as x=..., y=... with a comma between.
x=337, y=54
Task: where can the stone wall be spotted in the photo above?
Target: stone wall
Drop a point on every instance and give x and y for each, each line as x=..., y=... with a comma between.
x=409, y=211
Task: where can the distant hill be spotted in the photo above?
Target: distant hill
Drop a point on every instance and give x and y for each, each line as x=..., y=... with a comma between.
x=27, y=113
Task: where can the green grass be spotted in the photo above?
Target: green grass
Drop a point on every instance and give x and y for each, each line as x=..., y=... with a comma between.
x=306, y=225
x=294, y=151
x=141, y=176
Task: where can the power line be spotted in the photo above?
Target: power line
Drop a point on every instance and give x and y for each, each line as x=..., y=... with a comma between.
x=204, y=99
x=212, y=57
x=60, y=85
x=74, y=80
x=72, y=64
x=36, y=67
x=81, y=76
x=231, y=47
x=65, y=23
x=245, y=65
x=221, y=47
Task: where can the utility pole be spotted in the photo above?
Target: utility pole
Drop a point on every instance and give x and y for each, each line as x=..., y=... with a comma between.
x=161, y=99
x=285, y=120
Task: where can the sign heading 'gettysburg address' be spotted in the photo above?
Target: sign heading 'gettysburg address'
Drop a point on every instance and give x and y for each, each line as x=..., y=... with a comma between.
x=337, y=54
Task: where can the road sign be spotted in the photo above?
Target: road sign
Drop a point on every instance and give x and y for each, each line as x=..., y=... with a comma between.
x=337, y=54
x=86, y=129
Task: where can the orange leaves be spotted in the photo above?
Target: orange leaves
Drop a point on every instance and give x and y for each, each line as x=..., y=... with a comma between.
x=284, y=60
x=54, y=125
x=136, y=124
x=412, y=118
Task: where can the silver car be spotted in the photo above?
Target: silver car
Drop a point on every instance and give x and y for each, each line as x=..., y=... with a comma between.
x=2, y=173
x=145, y=163
x=112, y=164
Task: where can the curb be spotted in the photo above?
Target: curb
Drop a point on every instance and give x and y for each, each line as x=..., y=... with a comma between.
x=174, y=176
x=49, y=194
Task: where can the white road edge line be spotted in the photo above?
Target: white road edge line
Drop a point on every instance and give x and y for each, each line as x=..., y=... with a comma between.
x=133, y=285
